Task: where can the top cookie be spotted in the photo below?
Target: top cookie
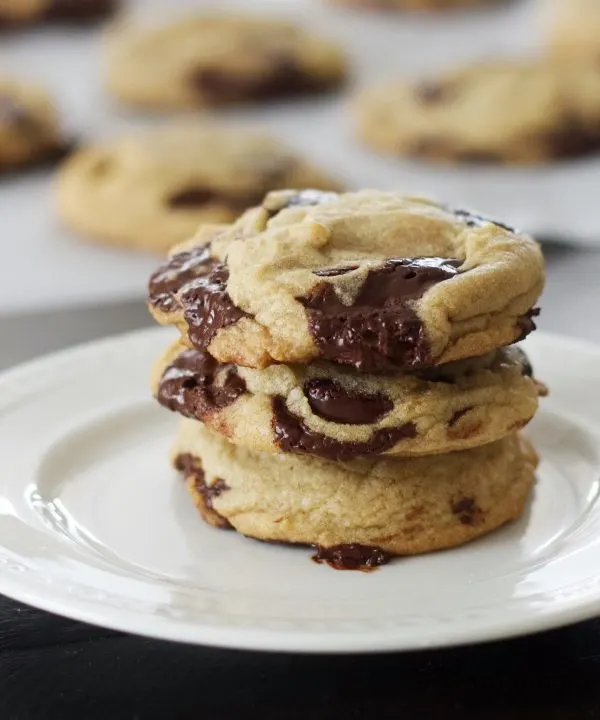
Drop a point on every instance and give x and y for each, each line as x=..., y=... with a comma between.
x=504, y=112
x=575, y=30
x=16, y=13
x=206, y=61
x=374, y=280
x=30, y=132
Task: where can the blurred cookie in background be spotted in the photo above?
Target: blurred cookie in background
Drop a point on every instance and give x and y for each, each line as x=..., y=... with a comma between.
x=211, y=61
x=505, y=112
x=411, y=4
x=18, y=13
x=153, y=189
x=574, y=32
x=30, y=131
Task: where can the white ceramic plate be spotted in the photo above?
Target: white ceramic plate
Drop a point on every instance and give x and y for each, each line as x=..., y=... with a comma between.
x=554, y=200
x=94, y=525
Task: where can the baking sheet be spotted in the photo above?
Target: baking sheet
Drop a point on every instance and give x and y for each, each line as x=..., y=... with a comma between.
x=45, y=266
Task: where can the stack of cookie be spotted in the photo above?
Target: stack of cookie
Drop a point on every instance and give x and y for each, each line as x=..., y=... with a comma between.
x=345, y=374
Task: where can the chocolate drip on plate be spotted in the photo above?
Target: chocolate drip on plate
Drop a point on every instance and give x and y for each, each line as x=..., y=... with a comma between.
x=352, y=556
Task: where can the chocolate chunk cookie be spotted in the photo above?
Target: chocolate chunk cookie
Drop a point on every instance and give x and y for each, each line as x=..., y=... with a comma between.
x=331, y=412
x=152, y=189
x=30, y=132
x=373, y=280
x=19, y=13
x=208, y=61
x=488, y=113
x=399, y=506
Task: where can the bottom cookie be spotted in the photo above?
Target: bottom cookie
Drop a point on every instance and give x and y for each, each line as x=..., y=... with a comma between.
x=380, y=507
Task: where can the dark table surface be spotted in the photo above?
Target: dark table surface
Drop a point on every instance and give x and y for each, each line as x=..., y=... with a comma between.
x=52, y=667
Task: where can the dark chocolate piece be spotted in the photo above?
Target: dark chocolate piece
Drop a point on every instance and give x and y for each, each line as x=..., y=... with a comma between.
x=381, y=330
x=466, y=511
x=526, y=367
x=188, y=386
x=292, y=435
x=432, y=93
x=352, y=556
x=473, y=220
x=197, y=197
x=189, y=465
x=207, y=307
x=457, y=415
x=526, y=323
x=173, y=275
x=331, y=401
x=335, y=272
x=195, y=282
x=79, y=11
x=284, y=77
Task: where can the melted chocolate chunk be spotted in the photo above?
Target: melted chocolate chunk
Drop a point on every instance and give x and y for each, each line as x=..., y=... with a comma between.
x=173, y=275
x=79, y=11
x=381, y=330
x=196, y=282
x=335, y=272
x=352, y=557
x=292, y=435
x=197, y=197
x=188, y=386
x=189, y=465
x=526, y=323
x=331, y=401
x=285, y=77
x=303, y=198
x=458, y=414
x=572, y=139
x=526, y=366
x=473, y=220
x=466, y=511
x=432, y=93
x=207, y=306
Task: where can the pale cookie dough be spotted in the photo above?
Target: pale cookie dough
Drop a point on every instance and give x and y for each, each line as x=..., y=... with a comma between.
x=151, y=189
x=338, y=414
x=30, y=132
x=17, y=13
x=374, y=280
x=400, y=506
x=217, y=60
x=493, y=113
x=574, y=30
